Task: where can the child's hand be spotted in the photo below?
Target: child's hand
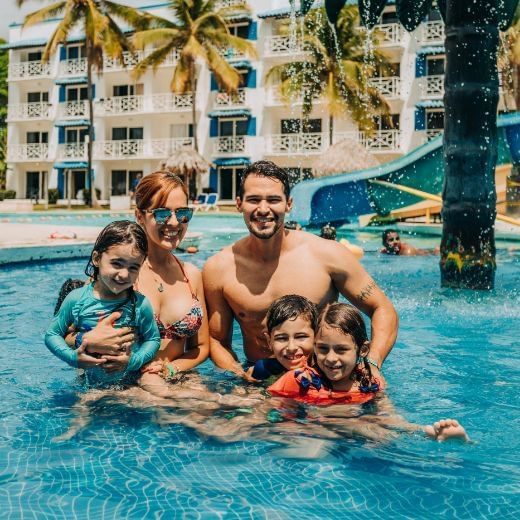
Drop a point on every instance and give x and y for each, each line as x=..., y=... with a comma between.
x=86, y=361
x=248, y=376
x=446, y=429
x=117, y=363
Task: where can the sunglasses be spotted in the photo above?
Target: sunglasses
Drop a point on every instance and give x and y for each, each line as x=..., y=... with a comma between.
x=162, y=215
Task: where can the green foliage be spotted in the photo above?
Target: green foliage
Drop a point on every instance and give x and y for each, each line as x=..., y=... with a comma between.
x=7, y=194
x=334, y=68
x=53, y=195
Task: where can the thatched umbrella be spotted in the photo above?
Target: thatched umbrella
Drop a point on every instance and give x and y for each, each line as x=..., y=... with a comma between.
x=345, y=156
x=187, y=164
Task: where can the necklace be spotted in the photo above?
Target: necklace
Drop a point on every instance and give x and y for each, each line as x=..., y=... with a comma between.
x=160, y=286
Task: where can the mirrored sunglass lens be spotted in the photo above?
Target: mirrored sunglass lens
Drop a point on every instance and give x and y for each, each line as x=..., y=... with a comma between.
x=162, y=215
x=184, y=215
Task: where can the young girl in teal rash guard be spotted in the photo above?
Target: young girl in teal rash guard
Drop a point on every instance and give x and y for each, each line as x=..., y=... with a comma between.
x=113, y=267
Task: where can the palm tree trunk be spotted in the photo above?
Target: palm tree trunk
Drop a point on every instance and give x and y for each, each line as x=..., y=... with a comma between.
x=193, y=83
x=331, y=130
x=470, y=146
x=93, y=195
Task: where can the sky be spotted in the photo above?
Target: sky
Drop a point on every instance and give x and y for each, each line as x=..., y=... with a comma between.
x=13, y=13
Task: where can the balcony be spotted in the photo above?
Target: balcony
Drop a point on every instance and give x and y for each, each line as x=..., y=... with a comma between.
x=284, y=46
x=72, y=152
x=379, y=141
x=432, y=87
x=156, y=103
x=76, y=67
x=389, y=34
x=29, y=111
x=28, y=152
x=431, y=33
x=389, y=87
x=275, y=98
x=73, y=109
x=29, y=70
x=221, y=4
x=139, y=148
x=230, y=100
x=131, y=59
x=289, y=144
x=230, y=145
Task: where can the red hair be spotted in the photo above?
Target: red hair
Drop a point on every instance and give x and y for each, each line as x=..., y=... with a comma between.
x=153, y=190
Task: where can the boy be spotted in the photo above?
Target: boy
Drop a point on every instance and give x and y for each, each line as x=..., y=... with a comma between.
x=291, y=324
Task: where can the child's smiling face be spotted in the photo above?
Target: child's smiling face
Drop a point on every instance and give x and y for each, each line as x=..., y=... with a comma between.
x=292, y=342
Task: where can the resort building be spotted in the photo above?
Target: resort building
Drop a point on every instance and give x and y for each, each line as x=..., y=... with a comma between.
x=140, y=123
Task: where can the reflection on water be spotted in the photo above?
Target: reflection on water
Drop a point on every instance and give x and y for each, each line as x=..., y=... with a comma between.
x=457, y=355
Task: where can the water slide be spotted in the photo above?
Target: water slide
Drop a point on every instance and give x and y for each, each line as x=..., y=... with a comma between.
x=344, y=197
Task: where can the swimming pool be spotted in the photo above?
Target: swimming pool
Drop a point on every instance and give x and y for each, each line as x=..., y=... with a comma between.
x=457, y=355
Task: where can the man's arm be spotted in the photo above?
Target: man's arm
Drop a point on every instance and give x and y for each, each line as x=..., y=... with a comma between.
x=220, y=318
x=353, y=282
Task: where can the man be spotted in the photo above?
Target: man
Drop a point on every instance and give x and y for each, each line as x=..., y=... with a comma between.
x=392, y=245
x=242, y=280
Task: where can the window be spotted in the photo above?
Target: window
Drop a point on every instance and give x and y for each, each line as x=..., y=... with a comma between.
x=229, y=182
x=390, y=69
x=298, y=174
x=33, y=185
x=123, y=180
x=435, y=66
x=75, y=135
x=434, y=119
x=37, y=97
x=389, y=17
x=434, y=16
x=74, y=52
x=389, y=122
x=124, y=133
x=232, y=127
x=34, y=56
x=37, y=137
x=241, y=30
x=297, y=126
x=78, y=182
x=76, y=93
x=128, y=90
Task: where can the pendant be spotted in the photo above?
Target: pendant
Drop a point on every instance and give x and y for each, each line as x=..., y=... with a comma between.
x=160, y=287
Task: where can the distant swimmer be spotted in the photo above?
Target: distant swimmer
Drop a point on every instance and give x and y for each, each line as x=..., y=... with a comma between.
x=392, y=245
x=328, y=232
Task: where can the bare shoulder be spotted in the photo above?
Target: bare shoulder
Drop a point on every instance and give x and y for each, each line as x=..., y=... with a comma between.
x=326, y=251
x=192, y=272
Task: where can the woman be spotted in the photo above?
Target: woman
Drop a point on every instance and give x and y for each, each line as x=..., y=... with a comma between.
x=173, y=287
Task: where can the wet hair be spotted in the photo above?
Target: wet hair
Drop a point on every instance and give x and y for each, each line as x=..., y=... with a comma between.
x=68, y=286
x=266, y=169
x=349, y=321
x=328, y=232
x=289, y=307
x=117, y=233
x=154, y=189
x=385, y=234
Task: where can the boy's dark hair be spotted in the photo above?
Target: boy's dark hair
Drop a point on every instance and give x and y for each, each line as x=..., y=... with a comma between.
x=117, y=233
x=328, y=232
x=68, y=286
x=266, y=169
x=290, y=307
x=385, y=234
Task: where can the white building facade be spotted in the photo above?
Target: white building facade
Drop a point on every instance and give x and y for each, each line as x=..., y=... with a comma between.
x=140, y=123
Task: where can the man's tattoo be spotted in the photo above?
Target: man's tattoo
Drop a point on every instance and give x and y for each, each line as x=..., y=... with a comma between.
x=367, y=291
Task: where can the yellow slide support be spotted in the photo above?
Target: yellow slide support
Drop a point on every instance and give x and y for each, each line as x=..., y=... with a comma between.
x=436, y=198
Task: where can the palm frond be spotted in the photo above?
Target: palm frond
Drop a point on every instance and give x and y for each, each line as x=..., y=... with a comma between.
x=61, y=32
x=181, y=80
x=162, y=36
x=225, y=74
x=44, y=13
x=153, y=60
x=138, y=20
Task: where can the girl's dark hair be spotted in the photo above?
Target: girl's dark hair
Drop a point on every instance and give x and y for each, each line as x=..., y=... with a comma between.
x=68, y=286
x=117, y=233
x=349, y=321
x=290, y=307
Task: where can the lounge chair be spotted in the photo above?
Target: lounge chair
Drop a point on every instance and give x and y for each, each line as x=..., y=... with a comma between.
x=200, y=202
x=211, y=202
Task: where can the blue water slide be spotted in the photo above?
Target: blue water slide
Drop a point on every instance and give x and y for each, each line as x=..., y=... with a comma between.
x=343, y=197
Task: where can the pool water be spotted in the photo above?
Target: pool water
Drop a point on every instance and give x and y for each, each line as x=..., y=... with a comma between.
x=456, y=356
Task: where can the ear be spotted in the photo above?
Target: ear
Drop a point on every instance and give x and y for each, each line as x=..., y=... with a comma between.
x=289, y=205
x=139, y=216
x=365, y=349
x=239, y=204
x=95, y=258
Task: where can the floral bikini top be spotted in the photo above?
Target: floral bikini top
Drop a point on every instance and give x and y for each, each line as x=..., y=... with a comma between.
x=188, y=325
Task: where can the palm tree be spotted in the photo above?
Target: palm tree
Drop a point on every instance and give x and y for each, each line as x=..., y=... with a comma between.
x=97, y=18
x=198, y=32
x=334, y=68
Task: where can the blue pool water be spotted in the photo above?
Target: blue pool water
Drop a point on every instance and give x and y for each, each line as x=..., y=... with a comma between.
x=457, y=355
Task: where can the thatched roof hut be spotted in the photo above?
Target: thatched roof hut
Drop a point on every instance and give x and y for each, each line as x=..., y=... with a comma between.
x=345, y=156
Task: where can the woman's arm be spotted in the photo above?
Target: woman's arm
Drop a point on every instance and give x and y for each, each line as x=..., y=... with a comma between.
x=197, y=348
